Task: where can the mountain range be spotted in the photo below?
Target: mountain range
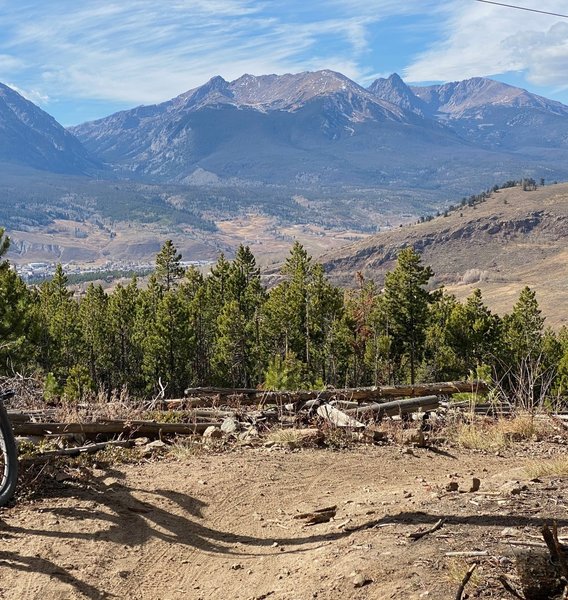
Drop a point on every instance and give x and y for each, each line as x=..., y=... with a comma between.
x=321, y=128
x=312, y=147
x=313, y=128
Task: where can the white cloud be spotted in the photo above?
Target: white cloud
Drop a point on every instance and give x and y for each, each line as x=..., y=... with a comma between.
x=481, y=39
x=9, y=64
x=142, y=51
x=544, y=54
x=31, y=95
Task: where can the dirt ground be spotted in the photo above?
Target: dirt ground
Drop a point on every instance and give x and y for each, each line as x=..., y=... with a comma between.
x=221, y=526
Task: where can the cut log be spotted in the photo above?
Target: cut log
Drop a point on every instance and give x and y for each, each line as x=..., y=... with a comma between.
x=208, y=395
x=21, y=416
x=338, y=418
x=131, y=428
x=397, y=407
x=89, y=449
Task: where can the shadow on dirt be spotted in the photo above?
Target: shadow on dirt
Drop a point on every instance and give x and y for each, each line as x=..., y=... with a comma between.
x=423, y=518
x=133, y=522
x=34, y=564
x=119, y=517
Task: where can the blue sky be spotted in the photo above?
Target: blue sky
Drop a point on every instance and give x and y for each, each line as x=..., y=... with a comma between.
x=84, y=60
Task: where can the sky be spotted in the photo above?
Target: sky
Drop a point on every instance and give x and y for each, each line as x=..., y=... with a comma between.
x=83, y=60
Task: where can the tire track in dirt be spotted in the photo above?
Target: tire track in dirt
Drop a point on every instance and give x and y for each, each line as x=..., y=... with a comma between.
x=222, y=526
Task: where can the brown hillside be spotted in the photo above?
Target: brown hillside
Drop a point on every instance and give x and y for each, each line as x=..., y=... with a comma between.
x=513, y=239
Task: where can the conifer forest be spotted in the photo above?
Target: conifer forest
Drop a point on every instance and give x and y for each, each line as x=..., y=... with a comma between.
x=228, y=329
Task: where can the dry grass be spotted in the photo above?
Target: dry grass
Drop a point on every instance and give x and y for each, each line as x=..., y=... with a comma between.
x=554, y=467
x=294, y=438
x=481, y=434
x=100, y=407
x=457, y=568
x=190, y=446
x=185, y=448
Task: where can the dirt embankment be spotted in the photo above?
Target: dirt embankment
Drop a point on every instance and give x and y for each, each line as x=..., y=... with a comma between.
x=222, y=526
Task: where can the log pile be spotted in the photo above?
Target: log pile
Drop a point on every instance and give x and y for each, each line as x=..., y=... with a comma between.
x=221, y=411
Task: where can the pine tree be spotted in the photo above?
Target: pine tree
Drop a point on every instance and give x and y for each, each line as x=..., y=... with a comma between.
x=218, y=282
x=245, y=288
x=96, y=335
x=301, y=314
x=168, y=352
x=441, y=355
x=524, y=327
x=125, y=352
x=524, y=361
x=18, y=322
x=230, y=359
x=202, y=317
x=168, y=266
x=61, y=339
x=406, y=304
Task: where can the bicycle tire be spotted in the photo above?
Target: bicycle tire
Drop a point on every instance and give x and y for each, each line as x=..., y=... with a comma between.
x=8, y=458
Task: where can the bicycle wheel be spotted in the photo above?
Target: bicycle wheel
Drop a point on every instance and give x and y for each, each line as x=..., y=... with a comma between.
x=8, y=458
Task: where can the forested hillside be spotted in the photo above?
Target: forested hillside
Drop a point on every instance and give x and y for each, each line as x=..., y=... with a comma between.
x=227, y=329
x=498, y=240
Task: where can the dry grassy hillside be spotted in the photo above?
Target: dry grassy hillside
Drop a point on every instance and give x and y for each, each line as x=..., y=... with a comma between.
x=513, y=239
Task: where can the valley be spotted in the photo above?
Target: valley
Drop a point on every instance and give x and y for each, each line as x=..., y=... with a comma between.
x=263, y=160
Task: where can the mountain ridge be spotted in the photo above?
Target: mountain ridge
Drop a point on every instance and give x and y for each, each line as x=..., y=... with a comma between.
x=31, y=137
x=511, y=239
x=323, y=127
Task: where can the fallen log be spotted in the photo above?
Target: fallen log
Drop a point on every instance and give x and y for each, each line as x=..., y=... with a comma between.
x=21, y=416
x=89, y=449
x=131, y=428
x=207, y=396
x=397, y=407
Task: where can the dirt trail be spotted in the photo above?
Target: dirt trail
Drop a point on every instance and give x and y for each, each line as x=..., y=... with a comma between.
x=222, y=526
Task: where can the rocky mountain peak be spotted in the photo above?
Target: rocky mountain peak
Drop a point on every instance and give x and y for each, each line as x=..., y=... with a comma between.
x=289, y=91
x=456, y=98
x=215, y=90
x=394, y=90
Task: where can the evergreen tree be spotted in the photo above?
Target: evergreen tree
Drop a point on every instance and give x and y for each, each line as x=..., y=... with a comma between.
x=168, y=266
x=61, y=333
x=476, y=334
x=125, y=352
x=301, y=314
x=218, y=283
x=202, y=315
x=244, y=287
x=230, y=359
x=406, y=304
x=524, y=328
x=441, y=345
x=523, y=362
x=95, y=335
x=18, y=322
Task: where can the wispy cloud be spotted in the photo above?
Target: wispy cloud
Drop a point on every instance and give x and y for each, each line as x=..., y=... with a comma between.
x=480, y=39
x=32, y=95
x=10, y=64
x=128, y=52
x=141, y=51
